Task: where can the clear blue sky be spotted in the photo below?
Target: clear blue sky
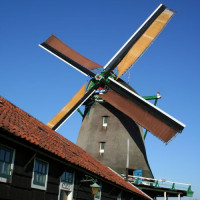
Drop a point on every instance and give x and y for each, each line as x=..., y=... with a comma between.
x=41, y=84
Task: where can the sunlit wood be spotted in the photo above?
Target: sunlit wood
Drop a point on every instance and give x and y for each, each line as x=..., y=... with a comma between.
x=144, y=41
x=67, y=107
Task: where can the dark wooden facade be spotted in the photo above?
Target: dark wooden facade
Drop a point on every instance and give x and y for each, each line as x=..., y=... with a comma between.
x=19, y=185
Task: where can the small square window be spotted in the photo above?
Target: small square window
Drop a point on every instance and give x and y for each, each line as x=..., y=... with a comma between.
x=67, y=177
x=105, y=122
x=6, y=162
x=40, y=173
x=102, y=146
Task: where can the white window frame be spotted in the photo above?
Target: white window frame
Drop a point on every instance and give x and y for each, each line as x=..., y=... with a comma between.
x=105, y=122
x=3, y=179
x=71, y=191
x=36, y=186
x=101, y=148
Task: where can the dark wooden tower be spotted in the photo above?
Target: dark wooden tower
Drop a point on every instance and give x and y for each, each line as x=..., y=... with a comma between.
x=113, y=138
x=122, y=139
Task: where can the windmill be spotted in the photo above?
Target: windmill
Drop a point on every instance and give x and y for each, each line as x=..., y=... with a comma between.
x=109, y=100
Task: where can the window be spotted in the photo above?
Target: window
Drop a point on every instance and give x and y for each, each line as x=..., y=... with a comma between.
x=67, y=177
x=119, y=197
x=102, y=146
x=6, y=162
x=105, y=122
x=66, y=186
x=40, y=173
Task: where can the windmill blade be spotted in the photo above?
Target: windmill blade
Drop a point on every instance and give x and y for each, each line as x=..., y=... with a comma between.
x=143, y=112
x=70, y=56
x=140, y=40
x=80, y=97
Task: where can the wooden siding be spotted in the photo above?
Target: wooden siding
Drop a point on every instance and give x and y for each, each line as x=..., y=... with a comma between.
x=20, y=184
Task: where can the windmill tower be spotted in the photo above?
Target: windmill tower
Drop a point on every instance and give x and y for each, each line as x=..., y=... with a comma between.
x=115, y=114
x=113, y=138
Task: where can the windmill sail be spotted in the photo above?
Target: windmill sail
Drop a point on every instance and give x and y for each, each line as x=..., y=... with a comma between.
x=153, y=119
x=80, y=97
x=140, y=40
x=144, y=113
x=67, y=54
x=144, y=41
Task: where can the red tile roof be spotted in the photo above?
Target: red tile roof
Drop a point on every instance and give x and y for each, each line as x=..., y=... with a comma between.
x=23, y=125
